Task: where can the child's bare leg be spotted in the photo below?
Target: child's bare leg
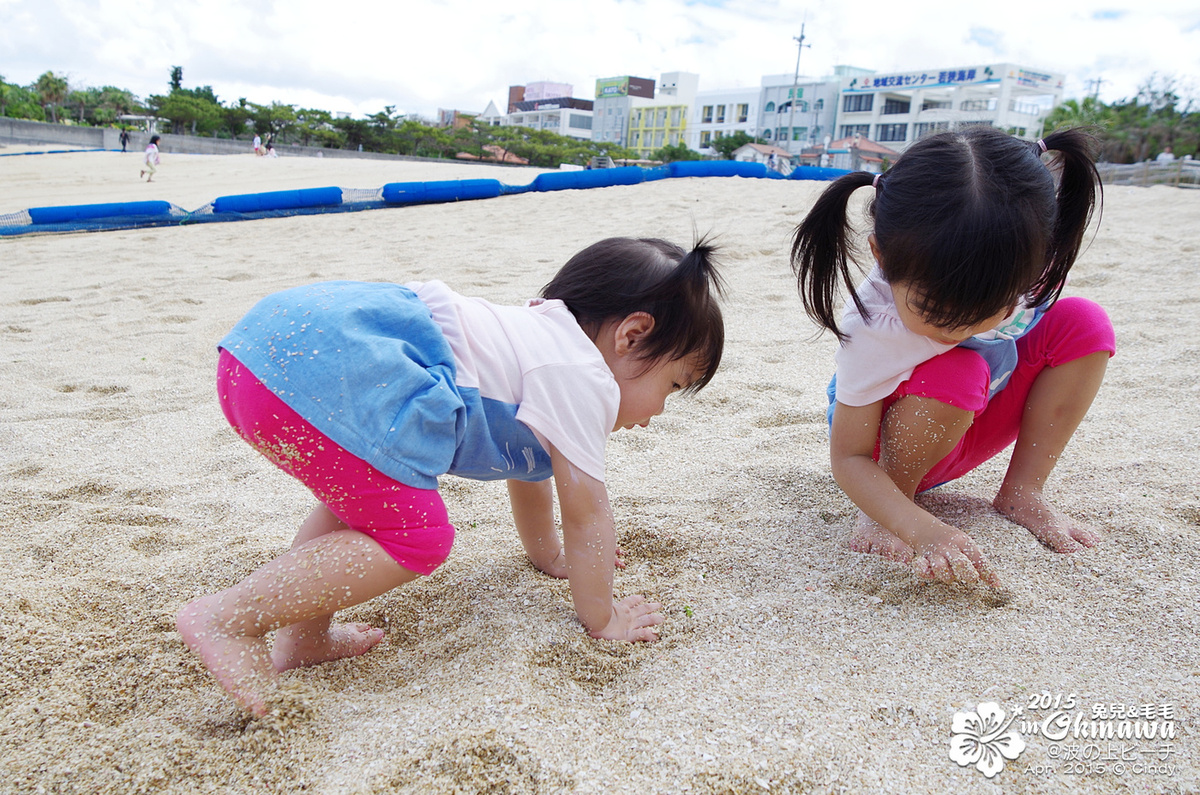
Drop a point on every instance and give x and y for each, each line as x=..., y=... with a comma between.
x=1057, y=403
x=319, y=640
x=917, y=432
x=312, y=581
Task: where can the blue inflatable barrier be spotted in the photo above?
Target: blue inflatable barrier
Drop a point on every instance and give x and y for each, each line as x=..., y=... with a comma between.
x=817, y=173
x=717, y=168
x=596, y=178
x=278, y=200
x=87, y=212
x=445, y=191
x=313, y=201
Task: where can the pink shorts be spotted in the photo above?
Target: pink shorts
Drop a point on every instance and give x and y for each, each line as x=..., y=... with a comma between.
x=1072, y=328
x=410, y=524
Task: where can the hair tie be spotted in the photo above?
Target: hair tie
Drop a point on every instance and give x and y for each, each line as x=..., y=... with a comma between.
x=875, y=182
x=1042, y=144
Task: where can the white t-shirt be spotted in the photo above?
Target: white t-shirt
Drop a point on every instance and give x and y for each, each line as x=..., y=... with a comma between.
x=537, y=359
x=882, y=354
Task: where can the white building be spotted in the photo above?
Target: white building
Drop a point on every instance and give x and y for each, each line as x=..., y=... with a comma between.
x=716, y=114
x=799, y=112
x=897, y=108
x=562, y=115
x=544, y=106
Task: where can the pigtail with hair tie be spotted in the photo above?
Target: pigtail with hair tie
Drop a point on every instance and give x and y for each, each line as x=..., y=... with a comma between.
x=1079, y=193
x=822, y=246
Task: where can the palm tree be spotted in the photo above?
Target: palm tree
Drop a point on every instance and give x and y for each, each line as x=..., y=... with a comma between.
x=53, y=90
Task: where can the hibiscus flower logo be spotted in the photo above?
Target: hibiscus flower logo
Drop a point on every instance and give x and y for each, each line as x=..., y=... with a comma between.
x=982, y=738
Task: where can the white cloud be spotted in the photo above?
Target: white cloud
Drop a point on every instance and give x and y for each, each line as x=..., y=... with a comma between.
x=419, y=56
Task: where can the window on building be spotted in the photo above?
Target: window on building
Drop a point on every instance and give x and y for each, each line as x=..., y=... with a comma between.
x=705, y=138
x=894, y=106
x=658, y=139
x=932, y=104
x=717, y=135
x=802, y=106
x=856, y=103
x=706, y=115
x=977, y=123
x=891, y=132
x=925, y=128
x=1026, y=108
x=767, y=134
x=819, y=105
x=675, y=114
x=720, y=114
x=743, y=112
x=978, y=104
x=661, y=118
x=799, y=133
x=580, y=121
x=769, y=108
x=851, y=130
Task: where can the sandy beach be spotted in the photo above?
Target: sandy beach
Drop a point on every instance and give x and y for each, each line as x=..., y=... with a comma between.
x=787, y=664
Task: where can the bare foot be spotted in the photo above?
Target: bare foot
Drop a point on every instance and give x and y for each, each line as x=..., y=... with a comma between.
x=297, y=649
x=870, y=537
x=1055, y=529
x=240, y=663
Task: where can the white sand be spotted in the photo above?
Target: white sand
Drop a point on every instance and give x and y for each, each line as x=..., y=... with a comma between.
x=788, y=663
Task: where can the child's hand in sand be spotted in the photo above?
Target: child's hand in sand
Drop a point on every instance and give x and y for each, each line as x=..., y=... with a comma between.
x=634, y=619
x=947, y=554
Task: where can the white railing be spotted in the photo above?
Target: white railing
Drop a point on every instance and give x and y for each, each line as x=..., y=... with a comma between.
x=1177, y=173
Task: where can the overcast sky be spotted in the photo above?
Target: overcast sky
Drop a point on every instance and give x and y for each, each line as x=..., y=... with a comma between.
x=358, y=56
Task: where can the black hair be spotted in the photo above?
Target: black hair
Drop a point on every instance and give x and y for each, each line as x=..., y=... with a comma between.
x=972, y=220
x=618, y=276
x=155, y=139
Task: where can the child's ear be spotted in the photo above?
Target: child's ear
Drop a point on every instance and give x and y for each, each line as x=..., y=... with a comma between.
x=874, y=244
x=632, y=330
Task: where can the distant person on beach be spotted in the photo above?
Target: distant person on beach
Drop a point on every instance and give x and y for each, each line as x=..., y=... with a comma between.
x=150, y=159
x=1166, y=155
x=257, y=144
x=124, y=138
x=367, y=393
x=956, y=344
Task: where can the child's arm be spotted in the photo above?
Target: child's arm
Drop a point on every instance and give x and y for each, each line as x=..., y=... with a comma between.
x=590, y=548
x=941, y=551
x=533, y=514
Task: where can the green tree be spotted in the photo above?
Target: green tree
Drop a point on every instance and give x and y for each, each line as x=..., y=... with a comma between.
x=19, y=102
x=236, y=118
x=53, y=91
x=274, y=121
x=1087, y=112
x=176, y=82
x=315, y=128
x=188, y=113
x=674, y=152
x=728, y=144
x=354, y=132
x=1132, y=130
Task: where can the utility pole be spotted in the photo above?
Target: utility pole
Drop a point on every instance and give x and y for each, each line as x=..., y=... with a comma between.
x=800, y=45
x=1096, y=83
